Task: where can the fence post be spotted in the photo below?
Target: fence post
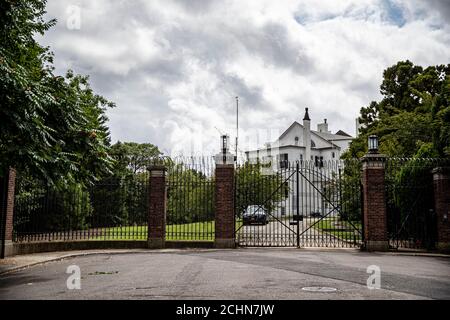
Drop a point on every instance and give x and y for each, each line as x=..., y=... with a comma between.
x=441, y=186
x=224, y=198
x=374, y=203
x=7, y=188
x=157, y=207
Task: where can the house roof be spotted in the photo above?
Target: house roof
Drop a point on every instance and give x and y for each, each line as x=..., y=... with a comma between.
x=289, y=129
x=332, y=136
x=343, y=133
x=327, y=137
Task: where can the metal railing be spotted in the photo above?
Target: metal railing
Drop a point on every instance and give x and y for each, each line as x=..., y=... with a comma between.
x=190, y=199
x=411, y=219
x=112, y=209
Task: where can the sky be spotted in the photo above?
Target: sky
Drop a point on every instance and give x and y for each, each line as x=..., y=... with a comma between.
x=174, y=67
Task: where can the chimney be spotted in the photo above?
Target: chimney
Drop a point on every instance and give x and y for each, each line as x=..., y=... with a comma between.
x=323, y=127
x=307, y=135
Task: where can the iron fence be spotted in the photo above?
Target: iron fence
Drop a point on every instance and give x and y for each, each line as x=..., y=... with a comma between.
x=411, y=219
x=117, y=208
x=304, y=203
x=112, y=209
x=190, y=199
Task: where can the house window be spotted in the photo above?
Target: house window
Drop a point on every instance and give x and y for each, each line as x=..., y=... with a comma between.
x=296, y=141
x=332, y=155
x=318, y=162
x=284, y=159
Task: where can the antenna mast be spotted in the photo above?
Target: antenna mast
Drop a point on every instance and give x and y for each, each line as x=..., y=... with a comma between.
x=237, y=124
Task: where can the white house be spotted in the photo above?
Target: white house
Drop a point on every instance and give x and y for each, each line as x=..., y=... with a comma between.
x=299, y=142
x=314, y=149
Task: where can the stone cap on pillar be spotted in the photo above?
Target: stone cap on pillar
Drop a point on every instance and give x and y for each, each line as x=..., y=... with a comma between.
x=440, y=173
x=224, y=159
x=373, y=160
x=441, y=170
x=157, y=170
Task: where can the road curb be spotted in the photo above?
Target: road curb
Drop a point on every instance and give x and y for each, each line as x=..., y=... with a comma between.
x=419, y=254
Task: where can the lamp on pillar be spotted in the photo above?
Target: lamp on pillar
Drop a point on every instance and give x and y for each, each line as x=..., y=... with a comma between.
x=224, y=157
x=373, y=143
x=224, y=145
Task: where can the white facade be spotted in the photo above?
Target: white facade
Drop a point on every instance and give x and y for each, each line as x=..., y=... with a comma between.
x=313, y=148
x=299, y=142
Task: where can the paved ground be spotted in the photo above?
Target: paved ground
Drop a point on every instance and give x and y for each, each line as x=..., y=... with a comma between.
x=233, y=274
x=281, y=233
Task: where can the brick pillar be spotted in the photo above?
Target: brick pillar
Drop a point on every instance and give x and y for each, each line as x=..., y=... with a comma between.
x=157, y=207
x=374, y=206
x=7, y=188
x=441, y=183
x=224, y=197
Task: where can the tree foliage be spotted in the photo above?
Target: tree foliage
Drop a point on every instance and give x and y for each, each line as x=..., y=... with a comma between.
x=254, y=187
x=52, y=127
x=190, y=194
x=132, y=157
x=413, y=114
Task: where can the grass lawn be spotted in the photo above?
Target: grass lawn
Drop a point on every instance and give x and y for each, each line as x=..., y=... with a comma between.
x=348, y=234
x=196, y=231
x=191, y=231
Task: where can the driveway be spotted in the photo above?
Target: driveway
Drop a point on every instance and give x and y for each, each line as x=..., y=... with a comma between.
x=263, y=273
x=279, y=233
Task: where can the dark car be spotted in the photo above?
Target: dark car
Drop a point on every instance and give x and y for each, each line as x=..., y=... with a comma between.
x=255, y=214
x=316, y=214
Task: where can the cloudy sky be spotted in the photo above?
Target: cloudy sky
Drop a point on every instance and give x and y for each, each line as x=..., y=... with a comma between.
x=174, y=67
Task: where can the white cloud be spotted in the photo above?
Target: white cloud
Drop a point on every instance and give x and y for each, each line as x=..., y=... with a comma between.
x=174, y=67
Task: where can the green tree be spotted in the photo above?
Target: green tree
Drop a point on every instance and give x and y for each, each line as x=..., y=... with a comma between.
x=120, y=198
x=52, y=127
x=190, y=194
x=132, y=157
x=414, y=111
x=254, y=187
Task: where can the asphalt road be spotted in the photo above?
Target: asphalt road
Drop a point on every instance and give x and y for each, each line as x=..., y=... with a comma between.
x=234, y=274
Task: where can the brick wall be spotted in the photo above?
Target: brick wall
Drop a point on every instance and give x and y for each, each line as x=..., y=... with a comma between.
x=224, y=204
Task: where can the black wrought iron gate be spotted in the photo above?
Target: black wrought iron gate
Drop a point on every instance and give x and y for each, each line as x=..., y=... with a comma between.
x=299, y=204
x=411, y=219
